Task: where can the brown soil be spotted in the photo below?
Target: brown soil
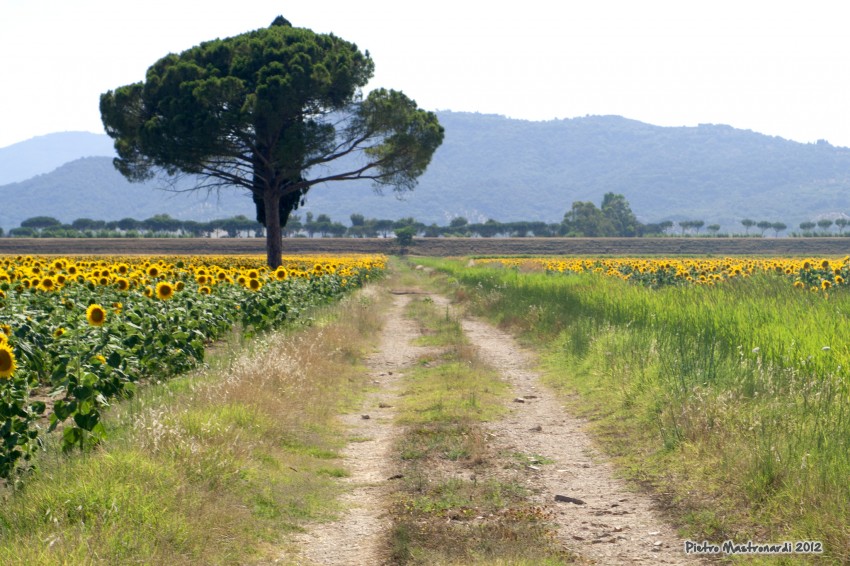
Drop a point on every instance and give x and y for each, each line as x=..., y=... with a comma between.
x=435, y=246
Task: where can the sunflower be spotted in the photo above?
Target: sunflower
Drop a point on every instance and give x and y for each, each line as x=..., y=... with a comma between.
x=122, y=283
x=95, y=315
x=48, y=284
x=164, y=290
x=5, y=329
x=204, y=290
x=7, y=361
x=825, y=284
x=58, y=332
x=280, y=273
x=254, y=284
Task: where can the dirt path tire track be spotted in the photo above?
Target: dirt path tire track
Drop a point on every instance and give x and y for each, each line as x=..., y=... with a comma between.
x=615, y=525
x=359, y=537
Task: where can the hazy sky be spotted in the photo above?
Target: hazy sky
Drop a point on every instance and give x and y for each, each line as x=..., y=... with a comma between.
x=776, y=67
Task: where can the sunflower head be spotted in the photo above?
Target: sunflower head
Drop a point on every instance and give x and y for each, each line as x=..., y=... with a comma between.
x=96, y=315
x=48, y=284
x=254, y=284
x=7, y=361
x=164, y=290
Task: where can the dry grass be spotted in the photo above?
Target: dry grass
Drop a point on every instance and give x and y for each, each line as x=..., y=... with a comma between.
x=213, y=468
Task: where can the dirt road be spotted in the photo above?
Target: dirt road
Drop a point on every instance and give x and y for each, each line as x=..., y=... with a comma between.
x=596, y=515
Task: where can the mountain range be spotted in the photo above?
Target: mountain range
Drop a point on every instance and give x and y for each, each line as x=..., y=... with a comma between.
x=489, y=166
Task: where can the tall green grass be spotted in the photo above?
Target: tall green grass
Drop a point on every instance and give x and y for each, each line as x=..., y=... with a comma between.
x=733, y=399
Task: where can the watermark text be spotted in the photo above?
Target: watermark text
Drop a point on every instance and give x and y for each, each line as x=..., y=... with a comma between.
x=750, y=547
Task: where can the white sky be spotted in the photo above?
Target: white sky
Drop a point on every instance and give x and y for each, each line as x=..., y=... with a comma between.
x=776, y=67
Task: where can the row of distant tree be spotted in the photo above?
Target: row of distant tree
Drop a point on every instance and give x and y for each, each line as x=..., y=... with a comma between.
x=162, y=225
x=613, y=218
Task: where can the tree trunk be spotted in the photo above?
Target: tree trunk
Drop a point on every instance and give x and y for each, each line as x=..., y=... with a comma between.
x=274, y=243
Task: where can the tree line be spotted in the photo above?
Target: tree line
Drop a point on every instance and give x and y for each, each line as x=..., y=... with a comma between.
x=614, y=218
x=310, y=226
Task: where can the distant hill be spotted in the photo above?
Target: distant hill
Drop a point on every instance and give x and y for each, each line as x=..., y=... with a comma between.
x=494, y=167
x=21, y=161
x=91, y=188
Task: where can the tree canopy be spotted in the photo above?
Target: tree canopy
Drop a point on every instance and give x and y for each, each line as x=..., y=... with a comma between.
x=274, y=111
x=615, y=218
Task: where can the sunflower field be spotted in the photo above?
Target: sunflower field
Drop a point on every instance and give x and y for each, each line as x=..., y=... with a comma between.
x=813, y=274
x=76, y=332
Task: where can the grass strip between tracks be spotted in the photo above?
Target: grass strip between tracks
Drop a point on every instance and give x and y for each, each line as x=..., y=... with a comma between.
x=453, y=506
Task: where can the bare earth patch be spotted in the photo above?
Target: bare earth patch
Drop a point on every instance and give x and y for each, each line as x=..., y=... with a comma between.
x=359, y=537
